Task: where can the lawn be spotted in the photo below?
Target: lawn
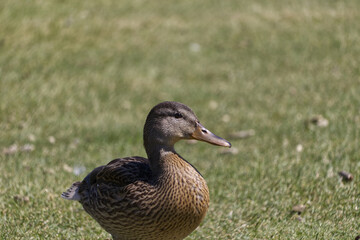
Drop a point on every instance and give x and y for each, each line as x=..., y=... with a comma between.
x=77, y=79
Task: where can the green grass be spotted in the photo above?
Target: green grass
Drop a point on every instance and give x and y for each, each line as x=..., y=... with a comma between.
x=88, y=72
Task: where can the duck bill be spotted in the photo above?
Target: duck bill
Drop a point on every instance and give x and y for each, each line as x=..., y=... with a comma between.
x=202, y=134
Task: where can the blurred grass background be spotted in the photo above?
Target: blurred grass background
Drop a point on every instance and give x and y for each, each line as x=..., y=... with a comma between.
x=77, y=79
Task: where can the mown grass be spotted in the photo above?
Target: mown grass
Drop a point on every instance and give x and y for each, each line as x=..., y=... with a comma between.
x=88, y=72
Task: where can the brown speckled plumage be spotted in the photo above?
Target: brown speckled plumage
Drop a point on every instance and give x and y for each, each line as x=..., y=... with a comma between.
x=163, y=197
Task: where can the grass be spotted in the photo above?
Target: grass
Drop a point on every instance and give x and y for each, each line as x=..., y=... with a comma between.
x=87, y=73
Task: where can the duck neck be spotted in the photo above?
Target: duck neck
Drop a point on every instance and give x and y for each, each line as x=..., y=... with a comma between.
x=157, y=154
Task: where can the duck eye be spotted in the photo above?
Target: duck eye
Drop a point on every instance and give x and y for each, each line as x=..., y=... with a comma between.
x=178, y=115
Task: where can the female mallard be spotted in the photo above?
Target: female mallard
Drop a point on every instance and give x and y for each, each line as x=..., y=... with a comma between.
x=162, y=197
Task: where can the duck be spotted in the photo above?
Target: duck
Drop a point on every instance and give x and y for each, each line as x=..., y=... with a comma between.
x=160, y=197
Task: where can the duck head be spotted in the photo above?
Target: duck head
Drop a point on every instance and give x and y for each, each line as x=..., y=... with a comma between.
x=169, y=122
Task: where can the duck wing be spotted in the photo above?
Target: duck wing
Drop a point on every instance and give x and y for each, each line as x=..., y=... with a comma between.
x=121, y=172
x=110, y=180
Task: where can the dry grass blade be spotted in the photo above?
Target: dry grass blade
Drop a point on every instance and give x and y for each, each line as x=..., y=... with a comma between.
x=242, y=134
x=346, y=177
x=11, y=149
x=21, y=199
x=299, y=208
x=318, y=121
x=232, y=151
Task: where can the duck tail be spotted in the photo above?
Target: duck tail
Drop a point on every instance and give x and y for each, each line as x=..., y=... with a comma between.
x=72, y=193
